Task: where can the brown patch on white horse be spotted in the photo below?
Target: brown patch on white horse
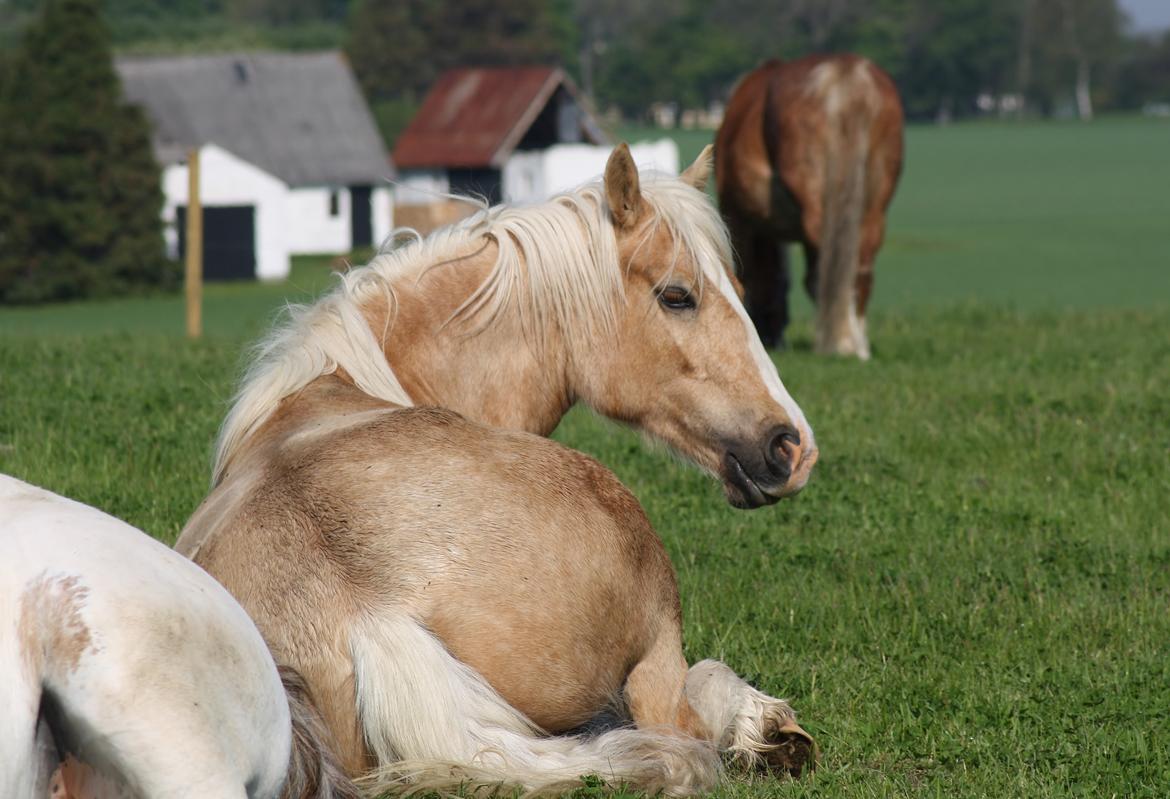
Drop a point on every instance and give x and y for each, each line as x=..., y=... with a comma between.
x=51, y=627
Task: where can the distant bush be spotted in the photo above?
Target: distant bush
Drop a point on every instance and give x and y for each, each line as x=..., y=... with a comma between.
x=80, y=192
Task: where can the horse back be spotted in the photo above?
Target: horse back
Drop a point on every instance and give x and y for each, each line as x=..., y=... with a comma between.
x=524, y=557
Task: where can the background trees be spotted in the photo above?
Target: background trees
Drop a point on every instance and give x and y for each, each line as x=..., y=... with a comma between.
x=79, y=189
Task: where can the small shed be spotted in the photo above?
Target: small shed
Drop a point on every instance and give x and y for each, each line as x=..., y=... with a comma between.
x=291, y=160
x=513, y=134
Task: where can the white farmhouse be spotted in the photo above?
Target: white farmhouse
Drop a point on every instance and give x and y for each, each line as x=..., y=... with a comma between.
x=510, y=134
x=291, y=162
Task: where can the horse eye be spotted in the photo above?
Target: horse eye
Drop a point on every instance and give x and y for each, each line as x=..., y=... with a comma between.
x=676, y=298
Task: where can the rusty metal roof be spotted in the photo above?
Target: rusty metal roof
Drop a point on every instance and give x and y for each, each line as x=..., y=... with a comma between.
x=475, y=117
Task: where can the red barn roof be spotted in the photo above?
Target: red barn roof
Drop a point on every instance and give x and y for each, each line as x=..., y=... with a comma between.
x=475, y=117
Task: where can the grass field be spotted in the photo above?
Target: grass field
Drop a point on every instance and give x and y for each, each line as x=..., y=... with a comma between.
x=972, y=596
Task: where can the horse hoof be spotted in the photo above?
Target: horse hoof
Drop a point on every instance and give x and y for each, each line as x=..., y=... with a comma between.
x=791, y=751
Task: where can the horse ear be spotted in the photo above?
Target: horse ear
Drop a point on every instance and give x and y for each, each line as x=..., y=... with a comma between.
x=621, y=187
x=697, y=173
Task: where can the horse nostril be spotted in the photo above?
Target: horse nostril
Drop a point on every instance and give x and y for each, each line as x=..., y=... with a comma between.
x=781, y=452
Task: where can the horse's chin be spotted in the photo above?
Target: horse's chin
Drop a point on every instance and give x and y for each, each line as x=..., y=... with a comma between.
x=742, y=491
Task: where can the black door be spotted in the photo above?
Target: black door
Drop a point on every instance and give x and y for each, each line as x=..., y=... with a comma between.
x=483, y=183
x=229, y=241
x=361, y=230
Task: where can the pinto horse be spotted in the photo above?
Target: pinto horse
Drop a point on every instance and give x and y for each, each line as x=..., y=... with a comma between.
x=459, y=597
x=125, y=670
x=810, y=151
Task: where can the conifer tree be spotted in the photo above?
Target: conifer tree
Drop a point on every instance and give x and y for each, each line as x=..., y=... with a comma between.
x=80, y=192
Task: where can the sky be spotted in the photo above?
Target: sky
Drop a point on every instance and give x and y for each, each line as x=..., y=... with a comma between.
x=1148, y=15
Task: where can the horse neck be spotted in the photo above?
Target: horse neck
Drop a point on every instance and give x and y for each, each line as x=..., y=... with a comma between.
x=494, y=372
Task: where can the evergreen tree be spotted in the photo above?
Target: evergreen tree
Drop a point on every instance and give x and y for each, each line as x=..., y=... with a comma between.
x=80, y=192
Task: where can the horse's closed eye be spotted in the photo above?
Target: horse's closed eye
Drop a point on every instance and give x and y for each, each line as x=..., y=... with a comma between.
x=676, y=298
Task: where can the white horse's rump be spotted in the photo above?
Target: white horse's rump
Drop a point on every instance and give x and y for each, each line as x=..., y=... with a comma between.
x=120, y=652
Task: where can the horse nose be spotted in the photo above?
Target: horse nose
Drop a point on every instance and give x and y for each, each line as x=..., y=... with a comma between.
x=782, y=452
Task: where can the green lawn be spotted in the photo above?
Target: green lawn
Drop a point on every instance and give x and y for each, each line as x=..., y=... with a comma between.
x=972, y=596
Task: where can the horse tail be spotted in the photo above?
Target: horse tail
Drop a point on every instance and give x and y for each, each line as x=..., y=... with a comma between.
x=435, y=724
x=849, y=96
x=313, y=770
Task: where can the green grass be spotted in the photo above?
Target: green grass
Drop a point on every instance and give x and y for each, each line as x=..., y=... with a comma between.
x=972, y=596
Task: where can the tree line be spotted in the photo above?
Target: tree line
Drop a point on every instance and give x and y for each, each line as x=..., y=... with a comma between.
x=950, y=59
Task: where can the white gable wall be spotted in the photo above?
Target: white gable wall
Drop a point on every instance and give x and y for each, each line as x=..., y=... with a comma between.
x=311, y=229
x=227, y=180
x=535, y=175
x=421, y=186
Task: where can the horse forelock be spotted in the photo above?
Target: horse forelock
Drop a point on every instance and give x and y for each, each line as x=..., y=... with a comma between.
x=556, y=263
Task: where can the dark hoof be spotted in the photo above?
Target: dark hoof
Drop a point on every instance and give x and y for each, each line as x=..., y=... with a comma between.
x=792, y=751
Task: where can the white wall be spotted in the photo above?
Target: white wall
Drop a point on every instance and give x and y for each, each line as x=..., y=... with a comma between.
x=310, y=228
x=536, y=175
x=227, y=180
x=421, y=186
x=382, y=201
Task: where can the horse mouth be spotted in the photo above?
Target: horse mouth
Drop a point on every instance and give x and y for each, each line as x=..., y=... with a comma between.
x=742, y=491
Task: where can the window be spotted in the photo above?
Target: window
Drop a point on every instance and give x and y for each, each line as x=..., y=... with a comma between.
x=334, y=203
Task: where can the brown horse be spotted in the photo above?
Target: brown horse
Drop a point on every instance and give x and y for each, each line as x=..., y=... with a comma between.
x=810, y=151
x=459, y=597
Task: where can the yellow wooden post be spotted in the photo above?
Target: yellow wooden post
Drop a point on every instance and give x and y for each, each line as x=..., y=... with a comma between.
x=193, y=282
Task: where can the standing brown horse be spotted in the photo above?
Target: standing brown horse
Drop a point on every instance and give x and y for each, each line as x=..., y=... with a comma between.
x=810, y=151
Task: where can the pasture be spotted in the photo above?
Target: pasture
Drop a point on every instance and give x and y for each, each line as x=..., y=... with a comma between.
x=971, y=598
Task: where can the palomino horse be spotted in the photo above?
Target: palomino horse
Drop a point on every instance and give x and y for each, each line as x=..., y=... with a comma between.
x=126, y=671
x=509, y=318
x=810, y=151
x=459, y=596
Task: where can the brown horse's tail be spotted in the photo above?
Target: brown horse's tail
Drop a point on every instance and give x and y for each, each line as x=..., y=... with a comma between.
x=849, y=96
x=313, y=770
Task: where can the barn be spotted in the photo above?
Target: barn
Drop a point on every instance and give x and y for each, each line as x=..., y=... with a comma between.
x=291, y=161
x=511, y=134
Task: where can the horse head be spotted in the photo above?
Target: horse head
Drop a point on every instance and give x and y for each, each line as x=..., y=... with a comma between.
x=684, y=362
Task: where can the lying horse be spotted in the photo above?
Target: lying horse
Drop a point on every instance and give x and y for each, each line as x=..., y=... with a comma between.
x=459, y=596
x=810, y=151
x=624, y=302
x=126, y=671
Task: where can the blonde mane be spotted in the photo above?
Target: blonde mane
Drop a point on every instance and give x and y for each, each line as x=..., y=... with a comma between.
x=557, y=263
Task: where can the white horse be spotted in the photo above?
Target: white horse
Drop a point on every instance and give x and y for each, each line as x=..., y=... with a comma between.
x=125, y=670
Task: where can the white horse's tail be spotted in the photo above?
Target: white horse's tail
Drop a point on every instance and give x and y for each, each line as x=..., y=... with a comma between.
x=435, y=723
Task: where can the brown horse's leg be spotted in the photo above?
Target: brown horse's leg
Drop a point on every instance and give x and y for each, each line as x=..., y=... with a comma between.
x=811, y=254
x=764, y=273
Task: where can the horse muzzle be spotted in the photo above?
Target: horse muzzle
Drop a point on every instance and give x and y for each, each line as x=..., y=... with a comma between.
x=755, y=476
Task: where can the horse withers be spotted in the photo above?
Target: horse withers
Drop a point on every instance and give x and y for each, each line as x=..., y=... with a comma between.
x=619, y=295
x=125, y=670
x=458, y=596
x=810, y=151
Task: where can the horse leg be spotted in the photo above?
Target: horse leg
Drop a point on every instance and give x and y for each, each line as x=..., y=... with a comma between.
x=872, y=232
x=749, y=725
x=811, y=254
x=765, y=285
x=710, y=702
